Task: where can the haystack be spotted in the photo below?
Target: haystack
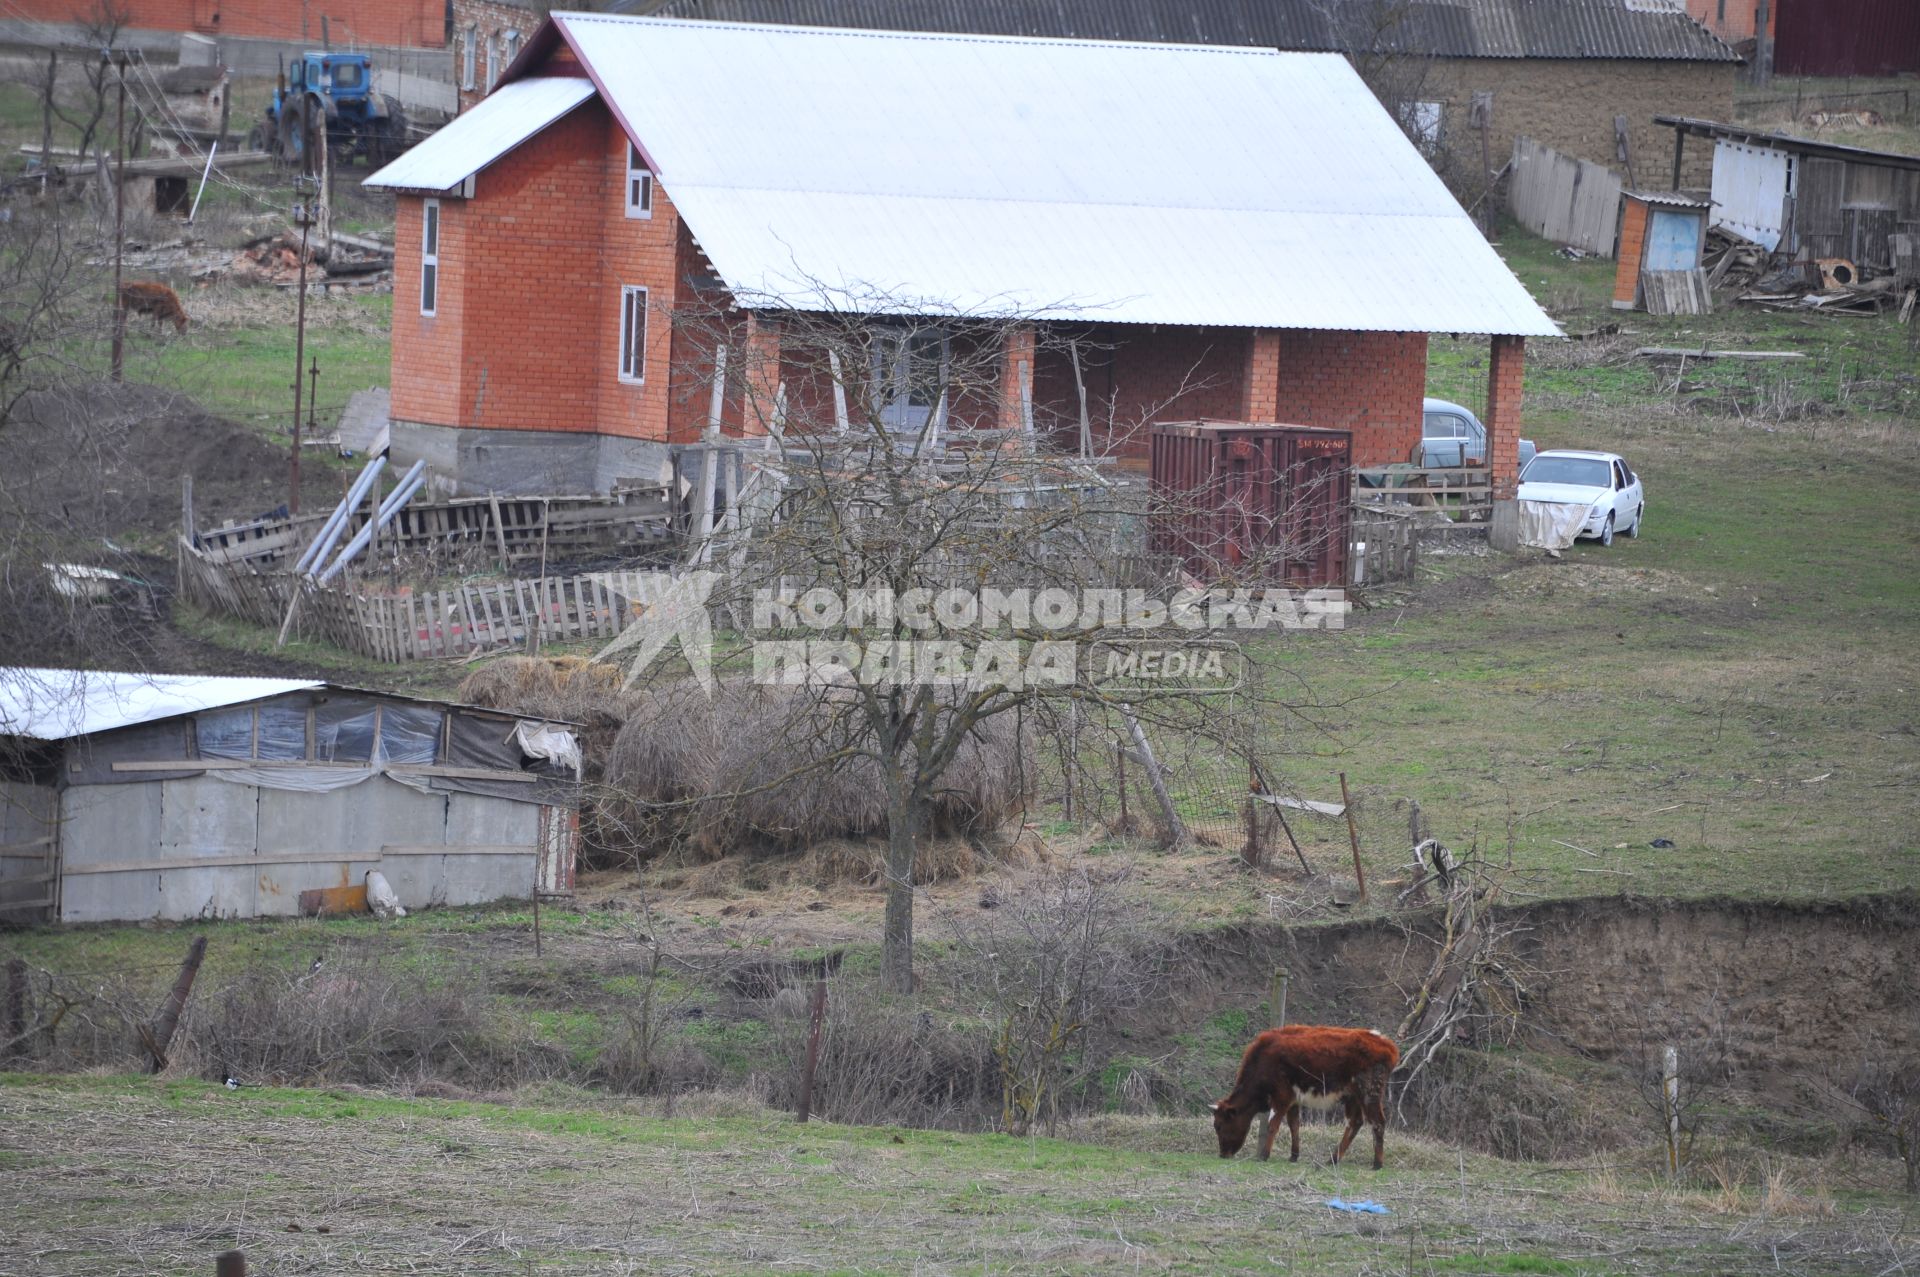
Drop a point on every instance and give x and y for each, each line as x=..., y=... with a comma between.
x=776, y=767
x=562, y=687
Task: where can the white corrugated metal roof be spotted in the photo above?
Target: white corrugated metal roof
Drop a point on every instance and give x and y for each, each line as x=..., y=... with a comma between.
x=45, y=704
x=474, y=139
x=988, y=175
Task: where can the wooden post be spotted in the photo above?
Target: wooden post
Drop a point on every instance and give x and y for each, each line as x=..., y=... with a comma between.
x=1679, y=150
x=16, y=1005
x=1120, y=770
x=536, y=912
x=814, y=1021
x=186, y=508
x=1670, y=1093
x=1080, y=384
x=160, y=1035
x=1413, y=823
x=1353, y=836
x=1277, y=998
x=1176, y=828
x=230, y=1263
x=499, y=530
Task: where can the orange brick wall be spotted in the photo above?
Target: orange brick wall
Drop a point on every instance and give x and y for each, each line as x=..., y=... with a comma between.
x=1369, y=383
x=532, y=268
x=1633, y=239
x=1731, y=20
x=1136, y=375
x=1506, y=375
x=420, y=23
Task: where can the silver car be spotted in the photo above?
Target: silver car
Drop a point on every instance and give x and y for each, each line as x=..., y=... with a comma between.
x=1452, y=436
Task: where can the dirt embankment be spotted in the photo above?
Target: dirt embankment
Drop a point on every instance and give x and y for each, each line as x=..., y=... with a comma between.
x=106, y=461
x=1782, y=997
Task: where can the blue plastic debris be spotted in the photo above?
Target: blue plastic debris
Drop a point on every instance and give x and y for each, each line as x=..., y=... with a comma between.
x=1365, y=1208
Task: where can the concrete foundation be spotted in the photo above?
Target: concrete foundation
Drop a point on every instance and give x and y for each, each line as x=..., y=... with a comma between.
x=528, y=462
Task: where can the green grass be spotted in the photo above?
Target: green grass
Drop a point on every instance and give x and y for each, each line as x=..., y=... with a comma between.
x=172, y=1172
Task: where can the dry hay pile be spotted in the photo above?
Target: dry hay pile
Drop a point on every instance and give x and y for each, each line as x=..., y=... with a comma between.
x=559, y=687
x=759, y=766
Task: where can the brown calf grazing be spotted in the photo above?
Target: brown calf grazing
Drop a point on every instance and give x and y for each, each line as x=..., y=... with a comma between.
x=154, y=299
x=1309, y=1064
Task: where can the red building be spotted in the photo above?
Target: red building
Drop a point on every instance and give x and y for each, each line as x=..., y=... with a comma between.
x=414, y=23
x=1225, y=233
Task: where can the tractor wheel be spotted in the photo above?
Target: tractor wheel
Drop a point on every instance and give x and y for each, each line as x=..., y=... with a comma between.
x=257, y=138
x=389, y=137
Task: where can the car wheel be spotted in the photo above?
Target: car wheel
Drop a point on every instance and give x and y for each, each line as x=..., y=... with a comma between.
x=1606, y=531
x=1639, y=517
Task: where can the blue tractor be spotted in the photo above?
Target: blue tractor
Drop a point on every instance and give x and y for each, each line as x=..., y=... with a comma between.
x=330, y=95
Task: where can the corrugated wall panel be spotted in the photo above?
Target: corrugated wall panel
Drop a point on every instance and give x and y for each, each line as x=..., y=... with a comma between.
x=1847, y=37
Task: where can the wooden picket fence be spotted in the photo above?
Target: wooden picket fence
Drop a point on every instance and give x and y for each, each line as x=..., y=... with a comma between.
x=435, y=624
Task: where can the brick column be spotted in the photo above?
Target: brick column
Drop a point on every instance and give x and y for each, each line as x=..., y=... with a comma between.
x=1506, y=371
x=1016, y=376
x=761, y=376
x=1260, y=378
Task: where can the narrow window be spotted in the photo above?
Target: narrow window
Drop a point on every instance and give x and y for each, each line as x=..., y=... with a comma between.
x=469, y=57
x=512, y=45
x=633, y=334
x=493, y=61
x=429, y=257
x=639, y=184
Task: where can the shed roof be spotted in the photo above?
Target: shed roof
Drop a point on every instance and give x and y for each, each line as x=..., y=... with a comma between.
x=1638, y=29
x=901, y=173
x=474, y=139
x=1787, y=142
x=49, y=705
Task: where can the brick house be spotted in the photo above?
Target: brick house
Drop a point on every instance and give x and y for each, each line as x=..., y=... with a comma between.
x=413, y=23
x=1224, y=262
x=487, y=35
x=1558, y=71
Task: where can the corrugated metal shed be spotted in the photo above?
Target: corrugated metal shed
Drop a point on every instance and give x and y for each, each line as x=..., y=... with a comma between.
x=1656, y=29
x=501, y=121
x=47, y=704
x=1081, y=180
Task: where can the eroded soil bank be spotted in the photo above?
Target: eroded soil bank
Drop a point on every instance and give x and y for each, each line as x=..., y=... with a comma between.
x=1779, y=997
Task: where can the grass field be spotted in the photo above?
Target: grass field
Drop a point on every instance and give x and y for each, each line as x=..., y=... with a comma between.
x=112, y=1175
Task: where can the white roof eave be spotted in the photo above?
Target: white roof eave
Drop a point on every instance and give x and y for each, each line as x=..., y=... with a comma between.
x=498, y=123
x=53, y=705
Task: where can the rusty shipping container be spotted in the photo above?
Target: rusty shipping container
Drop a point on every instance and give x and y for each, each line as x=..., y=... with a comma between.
x=1247, y=504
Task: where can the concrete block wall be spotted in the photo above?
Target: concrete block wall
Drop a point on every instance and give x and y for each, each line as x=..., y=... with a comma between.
x=1569, y=104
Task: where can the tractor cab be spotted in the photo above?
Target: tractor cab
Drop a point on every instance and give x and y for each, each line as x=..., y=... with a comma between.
x=331, y=92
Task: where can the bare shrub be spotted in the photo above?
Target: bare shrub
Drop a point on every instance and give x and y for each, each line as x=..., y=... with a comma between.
x=1886, y=1098
x=882, y=1061
x=359, y=1020
x=1509, y=1106
x=1052, y=971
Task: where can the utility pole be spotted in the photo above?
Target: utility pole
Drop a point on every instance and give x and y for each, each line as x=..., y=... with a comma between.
x=119, y=219
x=303, y=218
x=1763, y=42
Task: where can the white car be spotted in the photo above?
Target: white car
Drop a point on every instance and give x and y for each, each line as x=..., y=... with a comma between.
x=1600, y=481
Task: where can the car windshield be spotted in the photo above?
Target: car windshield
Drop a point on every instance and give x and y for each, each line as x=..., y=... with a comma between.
x=1587, y=472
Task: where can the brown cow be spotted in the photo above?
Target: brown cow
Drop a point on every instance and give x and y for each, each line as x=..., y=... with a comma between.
x=1309, y=1064
x=154, y=299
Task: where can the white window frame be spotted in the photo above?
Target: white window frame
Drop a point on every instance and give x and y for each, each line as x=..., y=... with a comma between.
x=469, y=56
x=633, y=353
x=509, y=47
x=430, y=232
x=639, y=185
x=493, y=59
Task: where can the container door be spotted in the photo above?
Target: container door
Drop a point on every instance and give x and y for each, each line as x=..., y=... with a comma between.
x=1673, y=241
x=1316, y=495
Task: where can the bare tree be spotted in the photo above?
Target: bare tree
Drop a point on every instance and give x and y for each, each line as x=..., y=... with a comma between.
x=100, y=29
x=919, y=572
x=1886, y=1096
